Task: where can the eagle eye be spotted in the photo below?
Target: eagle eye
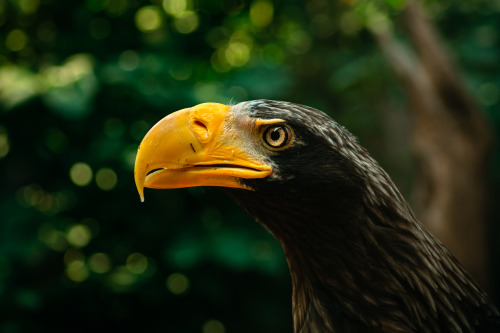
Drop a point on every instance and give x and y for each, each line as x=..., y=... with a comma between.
x=277, y=136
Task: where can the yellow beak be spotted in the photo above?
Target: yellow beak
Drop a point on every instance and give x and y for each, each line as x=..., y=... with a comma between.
x=195, y=147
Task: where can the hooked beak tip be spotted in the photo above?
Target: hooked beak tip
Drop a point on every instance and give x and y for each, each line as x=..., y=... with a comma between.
x=140, y=189
x=139, y=183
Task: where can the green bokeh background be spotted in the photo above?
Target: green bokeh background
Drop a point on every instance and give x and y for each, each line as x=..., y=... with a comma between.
x=81, y=82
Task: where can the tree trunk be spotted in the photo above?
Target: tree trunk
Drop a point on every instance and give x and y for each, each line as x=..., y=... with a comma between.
x=451, y=141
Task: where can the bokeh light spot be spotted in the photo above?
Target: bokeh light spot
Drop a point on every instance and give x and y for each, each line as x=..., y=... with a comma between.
x=99, y=263
x=208, y=91
x=77, y=69
x=186, y=22
x=349, y=23
x=16, y=40
x=117, y=7
x=137, y=263
x=261, y=13
x=177, y=283
x=299, y=41
x=51, y=237
x=17, y=84
x=129, y=60
x=106, y=179
x=174, y=7
x=237, y=54
x=148, y=19
x=29, y=6
x=213, y=326
x=219, y=62
x=32, y=194
x=79, y=235
x=4, y=145
x=121, y=276
x=80, y=174
x=50, y=204
x=77, y=271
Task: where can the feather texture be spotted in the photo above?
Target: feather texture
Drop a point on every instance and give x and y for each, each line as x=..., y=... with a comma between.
x=359, y=259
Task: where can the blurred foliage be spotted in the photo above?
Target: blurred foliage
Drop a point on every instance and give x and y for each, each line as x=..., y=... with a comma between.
x=82, y=81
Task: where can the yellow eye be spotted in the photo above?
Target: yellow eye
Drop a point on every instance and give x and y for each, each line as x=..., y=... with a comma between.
x=277, y=136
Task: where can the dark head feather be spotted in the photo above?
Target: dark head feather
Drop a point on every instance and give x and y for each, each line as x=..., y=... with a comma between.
x=360, y=261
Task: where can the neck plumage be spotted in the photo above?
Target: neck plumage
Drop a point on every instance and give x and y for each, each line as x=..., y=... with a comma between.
x=364, y=263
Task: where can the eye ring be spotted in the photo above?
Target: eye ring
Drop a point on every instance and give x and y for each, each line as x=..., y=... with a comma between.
x=277, y=137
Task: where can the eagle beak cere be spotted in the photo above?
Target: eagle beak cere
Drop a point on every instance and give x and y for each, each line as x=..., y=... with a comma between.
x=197, y=146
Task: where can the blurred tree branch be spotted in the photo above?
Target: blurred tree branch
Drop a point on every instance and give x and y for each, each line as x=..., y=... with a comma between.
x=451, y=140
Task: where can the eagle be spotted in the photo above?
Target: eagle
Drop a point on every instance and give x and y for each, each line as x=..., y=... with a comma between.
x=359, y=259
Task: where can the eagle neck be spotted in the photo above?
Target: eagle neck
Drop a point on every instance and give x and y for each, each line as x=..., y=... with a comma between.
x=350, y=259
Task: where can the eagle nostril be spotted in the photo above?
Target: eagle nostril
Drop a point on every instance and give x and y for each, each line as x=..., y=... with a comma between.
x=200, y=129
x=200, y=124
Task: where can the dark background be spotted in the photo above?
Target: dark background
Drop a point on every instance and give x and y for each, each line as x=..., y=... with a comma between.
x=81, y=82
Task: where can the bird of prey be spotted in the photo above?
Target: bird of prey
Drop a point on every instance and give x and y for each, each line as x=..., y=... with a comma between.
x=359, y=259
